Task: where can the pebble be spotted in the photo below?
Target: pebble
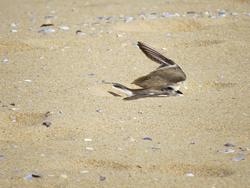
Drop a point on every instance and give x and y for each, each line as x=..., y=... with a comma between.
x=64, y=28
x=31, y=176
x=229, y=150
x=190, y=174
x=240, y=157
x=1, y=157
x=128, y=19
x=84, y=171
x=87, y=139
x=13, y=30
x=47, y=25
x=229, y=145
x=28, y=80
x=98, y=110
x=222, y=13
x=102, y=178
x=47, y=123
x=79, y=32
x=5, y=60
x=47, y=30
x=89, y=148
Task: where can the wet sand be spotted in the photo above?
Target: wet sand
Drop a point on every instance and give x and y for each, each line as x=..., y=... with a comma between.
x=98, y=140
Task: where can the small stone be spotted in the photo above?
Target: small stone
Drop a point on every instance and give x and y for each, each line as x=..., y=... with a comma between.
x=222, y=13
x=1, y=157
x=13, y=30
x=84, y=171
x=102, y=178
x=79, y=32
x=240, y=157
x=47, y=123
x=87, y=139
x=47, y=30
x=229, y=150
x=229, y=145
x=28, y=80
x=31, y=176
x=47, y=25
x=64, y=28
x=128, y=19
x=119, y=35
x=167, y=14
x=191, y=12
x=192, y=142
x=190, y=174
x=89, y=148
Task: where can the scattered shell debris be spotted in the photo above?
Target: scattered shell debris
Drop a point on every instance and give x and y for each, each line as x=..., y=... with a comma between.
x=64, y=28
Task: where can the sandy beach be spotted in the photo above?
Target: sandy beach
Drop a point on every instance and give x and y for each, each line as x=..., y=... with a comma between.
x=59, y=126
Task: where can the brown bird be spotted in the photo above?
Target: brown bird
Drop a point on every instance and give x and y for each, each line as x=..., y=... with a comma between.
x=162, y=82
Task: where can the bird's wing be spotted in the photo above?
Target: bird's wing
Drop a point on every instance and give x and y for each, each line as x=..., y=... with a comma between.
x=165, y=76
x=154, y=55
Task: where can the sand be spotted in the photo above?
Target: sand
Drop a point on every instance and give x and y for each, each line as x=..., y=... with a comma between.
x=98, y=140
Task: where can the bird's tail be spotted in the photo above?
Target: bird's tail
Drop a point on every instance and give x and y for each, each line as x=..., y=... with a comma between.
x=123, y=89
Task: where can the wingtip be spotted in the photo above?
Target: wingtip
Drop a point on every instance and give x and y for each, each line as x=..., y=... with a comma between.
x=139, y=43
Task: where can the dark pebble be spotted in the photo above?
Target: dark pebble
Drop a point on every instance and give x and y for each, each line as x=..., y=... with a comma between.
x=229, y=145
x=47, y=123
x=102, y=178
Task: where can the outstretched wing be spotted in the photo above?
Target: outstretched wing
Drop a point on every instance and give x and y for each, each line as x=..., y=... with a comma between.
x=154, y=55
x=163, y=77
x=168, y=74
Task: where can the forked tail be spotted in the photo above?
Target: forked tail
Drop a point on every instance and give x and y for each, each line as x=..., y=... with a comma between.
x=123, y=89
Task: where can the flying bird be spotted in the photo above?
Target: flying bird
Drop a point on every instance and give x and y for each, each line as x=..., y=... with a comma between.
x=163, y=82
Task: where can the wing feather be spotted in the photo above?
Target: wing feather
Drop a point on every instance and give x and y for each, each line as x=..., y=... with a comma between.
x=154, y=55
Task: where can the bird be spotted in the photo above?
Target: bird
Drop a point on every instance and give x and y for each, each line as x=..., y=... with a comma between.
x=164, y=81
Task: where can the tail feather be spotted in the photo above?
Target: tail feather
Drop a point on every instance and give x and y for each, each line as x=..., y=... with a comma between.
x=123, y=89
